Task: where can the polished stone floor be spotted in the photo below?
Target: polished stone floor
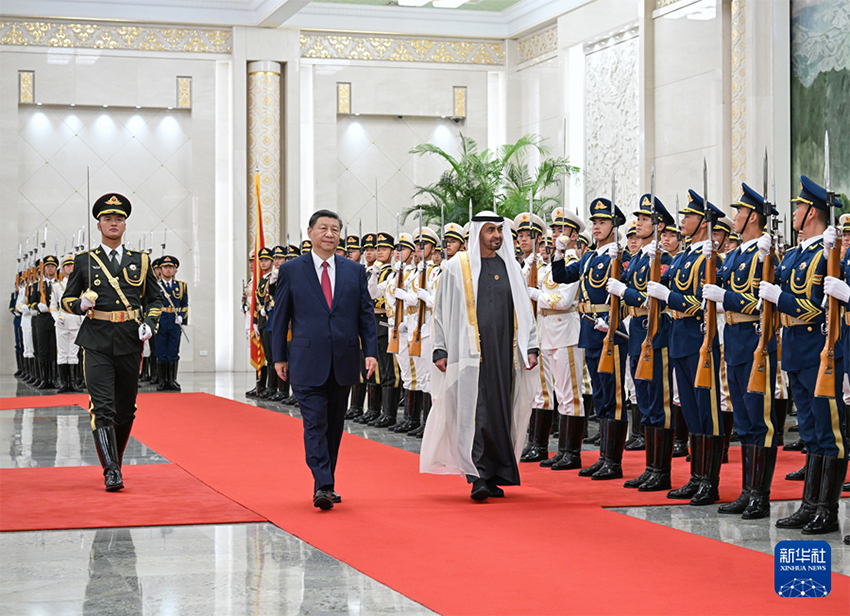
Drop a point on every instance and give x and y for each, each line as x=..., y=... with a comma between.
x=231, y=569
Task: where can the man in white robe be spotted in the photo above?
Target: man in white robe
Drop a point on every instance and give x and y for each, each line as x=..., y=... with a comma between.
x=485, y=355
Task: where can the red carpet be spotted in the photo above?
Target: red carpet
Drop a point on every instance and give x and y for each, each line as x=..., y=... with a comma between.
x=545, y=549
x=73, y=497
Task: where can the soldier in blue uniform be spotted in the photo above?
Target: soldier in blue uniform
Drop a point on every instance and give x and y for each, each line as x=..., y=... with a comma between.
x=736, y=294
x=280, y=389
x=175, y=314
x=369, y=386
x=593, y=270
x=115, y=288
x=681, y=289
x=653, y=397
x=798, y=297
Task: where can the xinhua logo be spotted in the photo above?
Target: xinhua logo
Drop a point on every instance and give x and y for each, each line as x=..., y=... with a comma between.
x=802, y=569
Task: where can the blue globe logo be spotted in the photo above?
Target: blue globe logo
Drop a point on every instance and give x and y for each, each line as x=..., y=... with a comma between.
x=802, y=588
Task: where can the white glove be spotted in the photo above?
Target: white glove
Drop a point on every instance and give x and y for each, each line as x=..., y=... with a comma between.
x=764, y=243
x=420, y=266
x=706, y=247
x=829, y=236
x=262, y=312
x=650, y=248
x=613, y=249
x=529, y=259
x=560, y=248
x=400, y=294
x=42, y=307
x=144, y=332
x=178, y=320
x=396, y=266
x=402, y=328
x=836, y=288
x=426, y=297
x=256, y=330
x=769, y=292
x=273, y=277
x=615, y=287
x=658, y=291
x=713, y=293
x=85, y=303
x=533, y=293
x=601, y=324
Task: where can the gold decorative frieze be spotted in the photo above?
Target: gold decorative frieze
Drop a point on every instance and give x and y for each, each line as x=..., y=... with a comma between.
x=538, y=44
x=739, y=93
x=184, y=92
x=26, y=87
x=660, y=4
x=114, y=36
x=343, y=98
x=350, y=47
x=459, y=102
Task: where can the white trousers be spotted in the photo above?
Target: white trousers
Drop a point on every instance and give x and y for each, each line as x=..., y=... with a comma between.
x=26, y=331
x=66, y=350
x=564, y=376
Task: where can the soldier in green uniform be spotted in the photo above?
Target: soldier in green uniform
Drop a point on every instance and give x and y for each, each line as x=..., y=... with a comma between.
x=116, y=289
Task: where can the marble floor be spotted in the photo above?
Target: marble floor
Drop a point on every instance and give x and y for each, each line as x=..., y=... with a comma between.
x=231, y=569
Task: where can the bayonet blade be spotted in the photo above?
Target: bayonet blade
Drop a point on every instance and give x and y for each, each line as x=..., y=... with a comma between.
x=826, y=178
x=765, y=176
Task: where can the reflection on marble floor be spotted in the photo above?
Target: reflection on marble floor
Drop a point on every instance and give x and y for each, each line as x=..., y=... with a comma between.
x=235, y=569
x=204, y=570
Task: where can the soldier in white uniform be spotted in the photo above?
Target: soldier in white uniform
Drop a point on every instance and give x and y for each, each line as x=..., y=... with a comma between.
x=26, y=331
x=66, y=326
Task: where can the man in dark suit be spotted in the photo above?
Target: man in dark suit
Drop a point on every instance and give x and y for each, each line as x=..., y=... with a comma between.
x=325, y=299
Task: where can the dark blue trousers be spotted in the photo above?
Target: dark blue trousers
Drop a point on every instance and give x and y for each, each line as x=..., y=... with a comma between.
x=821, y=420
x=168, y=340
x=700, y=406
x=655, y=397
x=755, y=417
x=323, y=413
x=609, y=390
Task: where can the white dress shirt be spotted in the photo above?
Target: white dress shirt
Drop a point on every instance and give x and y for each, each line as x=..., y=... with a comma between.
x=119, y=250
x=317, y=263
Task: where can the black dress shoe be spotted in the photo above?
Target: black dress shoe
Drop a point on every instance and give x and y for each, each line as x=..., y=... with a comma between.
x=112, y=479
x=291, y=401
x=795, y=446
x=495, y=491
x=480, y=491
x=323, y=499
x=556, y=458
x=336, y=498
x=798, y=475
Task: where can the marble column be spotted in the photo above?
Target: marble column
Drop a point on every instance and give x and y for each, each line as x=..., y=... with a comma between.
x=264, y=120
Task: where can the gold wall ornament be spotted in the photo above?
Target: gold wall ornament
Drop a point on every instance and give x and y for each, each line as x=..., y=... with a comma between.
x=343, y=98
x=538, y=44
x=184, y=92
x=739, y=92
x=264, y=151
x=340, y=45
x=54, y=33
x=459, y=101
x=660, y=4
x=26, y=87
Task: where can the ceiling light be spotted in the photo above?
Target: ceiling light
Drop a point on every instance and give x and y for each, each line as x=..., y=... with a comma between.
x=105, y=106
x=448, y=4
x=443, y=117
x=357, y=114
x=171, y=107
x=39, y=104
x=73, y=104
x=138, y=106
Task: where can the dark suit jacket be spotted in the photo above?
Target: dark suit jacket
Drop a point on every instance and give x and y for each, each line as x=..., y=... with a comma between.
x=321, y=334
x=137, y=282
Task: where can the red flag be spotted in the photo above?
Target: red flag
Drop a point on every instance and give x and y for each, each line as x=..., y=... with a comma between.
x=258, y=356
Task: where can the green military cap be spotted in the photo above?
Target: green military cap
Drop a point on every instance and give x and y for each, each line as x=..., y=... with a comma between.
x=112, y=203
x=169, y=260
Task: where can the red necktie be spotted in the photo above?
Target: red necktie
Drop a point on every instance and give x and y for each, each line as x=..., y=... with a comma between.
x=326, y=285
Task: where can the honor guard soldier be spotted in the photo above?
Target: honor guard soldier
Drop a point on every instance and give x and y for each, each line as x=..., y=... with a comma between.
x=352, y=248
x=267, y=381
x=16, y=323
x=558, y=329
x=799, y=298
x=67, y=326
x=372, y=385
x=671, y=240
x=736, y=292
x=175, y=314
x=635, y=440
x=592, y=272
x=379, y=278
x=652, y=394
x=43, y=330
x=149, y=352
x=437, y=257
x=340, y=248
x=700, y=405
x=22, y=308
x=306, y=246
x=453, y=235
x=116, y=290
x=279, y=255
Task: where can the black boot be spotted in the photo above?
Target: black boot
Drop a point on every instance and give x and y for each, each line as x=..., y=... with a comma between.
x=265, y=389
x=155, y=370
x=175, y=386
x=122, y=436
x=709, y=485
x=589, y=407
x=615, y=439
x=649, y=440
x=426, y=410
x=162, y=378
x=47, y=382
x=588, y=472
x=28, y=371
x=412, y=413
x=373, y=412
x=781, y=407
x=798, y=475
x=107, y=452
x=748, y=469
x=355, y=410
x=663, y=446
x=19, y=364
x=759, y=505
x=279, y=395
x=637, y=436
x=728, y=426
x=690, y=488
x=389, y=412
x=574, y=427
x=538, y=438
x=680, y=443
x=832, y=480
x=64, y=379
x=289, y=399
x=81, y=377
x=795, y=446
x=562, y=442
x=145, y=375
x=811, y=491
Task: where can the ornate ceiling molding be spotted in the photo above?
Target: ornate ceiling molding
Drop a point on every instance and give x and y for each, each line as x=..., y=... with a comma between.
x=91, y=35
x=538, y=44
x=344, y=46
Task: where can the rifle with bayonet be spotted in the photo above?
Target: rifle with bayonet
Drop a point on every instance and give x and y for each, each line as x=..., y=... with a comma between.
x=392, y=346
x=825, y=386
x=758, y=383
x=416, y=342
x=606, y=359
x=646, y=363
x=705, y=372
x=532, y=271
